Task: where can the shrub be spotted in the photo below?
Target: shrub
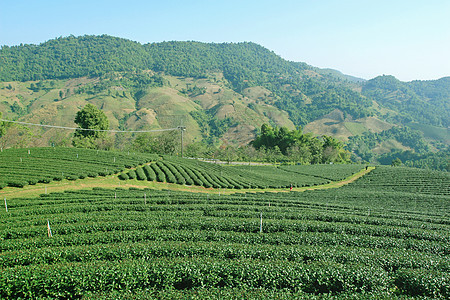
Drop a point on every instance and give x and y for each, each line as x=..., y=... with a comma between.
x=193, y=176
x=132, y=174
x=179, y=178
x=18, y=183
x=151, y=176
x=123, y=176
x=44, y=180
x=159, y=174
x=32, y=181
x=59, y=178
x=169, y=176
x=140, y=174
x=420, y=282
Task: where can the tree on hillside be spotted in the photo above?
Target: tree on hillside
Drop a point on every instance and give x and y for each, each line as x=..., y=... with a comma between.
x=396, y=162
x=296, y=146
x=93, y=121
x=163, y=143
x=331, y=147
x=299, y=153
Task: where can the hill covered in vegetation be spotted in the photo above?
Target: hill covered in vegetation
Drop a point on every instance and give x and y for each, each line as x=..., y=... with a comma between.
x=222, y=92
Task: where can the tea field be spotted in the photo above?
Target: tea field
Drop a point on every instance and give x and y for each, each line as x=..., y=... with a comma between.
x=194, y=172
x=21, y=167
x=383, y=236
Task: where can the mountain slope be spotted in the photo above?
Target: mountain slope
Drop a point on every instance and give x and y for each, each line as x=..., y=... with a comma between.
x=296, y=87
x=421, y=101
x=222, y=92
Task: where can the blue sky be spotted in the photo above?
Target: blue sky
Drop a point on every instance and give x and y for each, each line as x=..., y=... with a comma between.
x=407, y=39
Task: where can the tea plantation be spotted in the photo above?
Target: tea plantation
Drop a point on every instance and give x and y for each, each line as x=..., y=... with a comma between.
x=383, y=236
x=194, y=172
x=21, y=167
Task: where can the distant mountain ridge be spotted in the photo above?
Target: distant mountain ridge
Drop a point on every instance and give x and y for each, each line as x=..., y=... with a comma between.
x=224, y=92
x=339, y=74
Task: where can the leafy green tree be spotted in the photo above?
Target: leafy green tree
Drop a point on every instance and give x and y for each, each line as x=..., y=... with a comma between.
x=33, y=87
x=300, y=154
x=299, y=147
x=143, y=143
x=396, y=162
x=274, y=155
x=226, y=153
x=316, y=148
x=333, y=151
x=198, y=149
x=249, y=153
x=163, y=143
x=94, y=122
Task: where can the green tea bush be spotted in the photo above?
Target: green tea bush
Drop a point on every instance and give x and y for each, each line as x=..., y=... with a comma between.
x=123, y=176
x=170, y=177
x=132, y=174
x=151, y=176
x=46, y=164
x=140, y=175
x=159, y=173
x=420, y=282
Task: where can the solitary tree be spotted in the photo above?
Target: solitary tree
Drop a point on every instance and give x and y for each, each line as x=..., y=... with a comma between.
x=93, y=121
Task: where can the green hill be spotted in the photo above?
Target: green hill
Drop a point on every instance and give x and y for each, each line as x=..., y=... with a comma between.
x=242, y=65
x=425, y=102
x=222, y=92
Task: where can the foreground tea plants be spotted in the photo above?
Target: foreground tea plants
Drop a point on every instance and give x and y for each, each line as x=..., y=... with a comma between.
x=20, y=167
x=358, y=241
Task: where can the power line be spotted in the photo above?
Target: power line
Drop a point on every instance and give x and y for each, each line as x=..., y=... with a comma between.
x=88, y=129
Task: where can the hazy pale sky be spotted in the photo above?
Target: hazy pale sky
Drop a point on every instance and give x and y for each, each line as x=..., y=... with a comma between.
x=409, y=39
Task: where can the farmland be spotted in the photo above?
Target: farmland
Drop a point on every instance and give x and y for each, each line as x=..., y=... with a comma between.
x=385, y=235
x=21, y=167
x=194, y=172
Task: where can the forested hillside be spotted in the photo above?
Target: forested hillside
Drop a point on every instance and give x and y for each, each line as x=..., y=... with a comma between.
x=243, y=65
x=421, y=101
x=222, y=92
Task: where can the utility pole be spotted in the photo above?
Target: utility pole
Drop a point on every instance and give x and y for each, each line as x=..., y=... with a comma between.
x=182, y=129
